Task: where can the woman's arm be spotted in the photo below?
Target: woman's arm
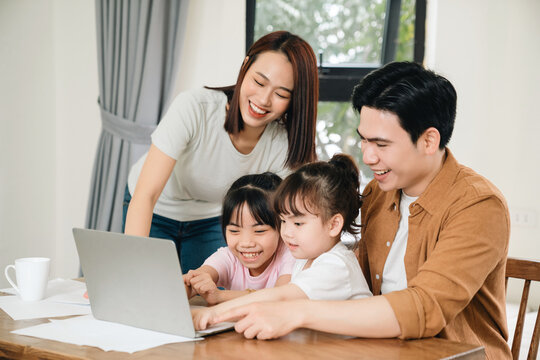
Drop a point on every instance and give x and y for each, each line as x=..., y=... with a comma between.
x=204, y=317
x=371, y=317
x=154, y=175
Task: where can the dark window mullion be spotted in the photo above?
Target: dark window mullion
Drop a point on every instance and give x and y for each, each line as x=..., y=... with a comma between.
x=419, y=30
x=250, y=23
x=391, y=29
x=338, y=86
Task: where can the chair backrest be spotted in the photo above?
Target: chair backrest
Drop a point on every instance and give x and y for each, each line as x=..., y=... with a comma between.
x=528, y=270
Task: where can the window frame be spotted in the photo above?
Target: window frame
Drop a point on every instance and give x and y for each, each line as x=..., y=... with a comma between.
x=337, y=82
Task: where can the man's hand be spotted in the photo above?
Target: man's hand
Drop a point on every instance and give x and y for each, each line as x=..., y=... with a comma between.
x=266, y=320
x=203, y=317
x=201, y=283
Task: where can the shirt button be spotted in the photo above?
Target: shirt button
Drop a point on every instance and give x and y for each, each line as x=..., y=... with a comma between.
x=388, y=243
x=377, y=276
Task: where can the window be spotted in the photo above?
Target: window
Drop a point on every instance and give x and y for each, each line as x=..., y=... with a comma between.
x=351, y=38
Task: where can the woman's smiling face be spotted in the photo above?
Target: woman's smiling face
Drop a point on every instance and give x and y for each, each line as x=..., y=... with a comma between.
x=266, y=90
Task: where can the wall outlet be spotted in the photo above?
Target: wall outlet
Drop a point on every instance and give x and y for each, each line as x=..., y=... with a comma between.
x=524, y=218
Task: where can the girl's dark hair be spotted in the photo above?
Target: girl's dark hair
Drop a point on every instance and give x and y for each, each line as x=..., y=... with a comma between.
x=301, y=116
x=324, y=189
x=255, y=191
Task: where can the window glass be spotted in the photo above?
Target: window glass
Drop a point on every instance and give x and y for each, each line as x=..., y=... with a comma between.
x=336, y=132
x=346, y=32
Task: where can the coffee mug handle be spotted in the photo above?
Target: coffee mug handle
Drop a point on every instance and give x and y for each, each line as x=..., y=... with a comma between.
x=9, y=279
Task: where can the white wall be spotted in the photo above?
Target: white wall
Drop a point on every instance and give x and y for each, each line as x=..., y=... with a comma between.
x=78, y=122
x=49, y=128
x=490, y=51
x=50, y=120
x=214, y=47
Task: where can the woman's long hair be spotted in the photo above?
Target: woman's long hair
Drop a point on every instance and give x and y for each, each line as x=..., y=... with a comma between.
x=301, y=115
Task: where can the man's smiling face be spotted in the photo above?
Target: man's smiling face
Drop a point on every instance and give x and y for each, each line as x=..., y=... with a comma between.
x=388, y=150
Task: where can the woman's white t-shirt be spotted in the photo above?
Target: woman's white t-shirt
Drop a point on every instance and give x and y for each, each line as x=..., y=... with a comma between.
x=207, y=162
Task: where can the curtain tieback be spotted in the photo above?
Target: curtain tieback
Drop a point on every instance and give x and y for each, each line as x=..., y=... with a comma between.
x=126, y=129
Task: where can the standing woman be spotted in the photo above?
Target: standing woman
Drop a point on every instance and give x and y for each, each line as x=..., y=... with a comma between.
x=210, y=137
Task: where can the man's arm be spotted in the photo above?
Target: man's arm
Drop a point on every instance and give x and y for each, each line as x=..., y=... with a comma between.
x=203, y=317
x=369, y=317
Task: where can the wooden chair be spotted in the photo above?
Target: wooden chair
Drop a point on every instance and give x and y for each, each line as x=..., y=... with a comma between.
x=529, y=270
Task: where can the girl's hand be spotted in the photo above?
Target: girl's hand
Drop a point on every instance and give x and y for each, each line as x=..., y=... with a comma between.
x=189, y=290
x=201, y=282
x=202, y=317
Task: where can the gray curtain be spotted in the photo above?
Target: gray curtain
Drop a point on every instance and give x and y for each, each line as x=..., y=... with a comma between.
x=139, y=44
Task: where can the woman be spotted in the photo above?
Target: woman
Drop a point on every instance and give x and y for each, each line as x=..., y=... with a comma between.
x=212, y=136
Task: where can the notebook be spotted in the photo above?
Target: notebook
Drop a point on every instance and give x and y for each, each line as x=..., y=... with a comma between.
x=137, y=281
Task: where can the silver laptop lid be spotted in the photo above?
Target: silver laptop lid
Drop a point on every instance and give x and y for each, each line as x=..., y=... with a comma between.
x=135, y=281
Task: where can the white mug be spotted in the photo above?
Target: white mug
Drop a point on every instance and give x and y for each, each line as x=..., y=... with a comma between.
x=32, y=276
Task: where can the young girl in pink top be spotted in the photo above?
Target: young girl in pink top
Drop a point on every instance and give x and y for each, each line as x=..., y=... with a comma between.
x=254, y=258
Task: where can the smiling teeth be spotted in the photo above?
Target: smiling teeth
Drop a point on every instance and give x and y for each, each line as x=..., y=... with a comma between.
x=250, y=255
x=381, y=172
x=256, y=109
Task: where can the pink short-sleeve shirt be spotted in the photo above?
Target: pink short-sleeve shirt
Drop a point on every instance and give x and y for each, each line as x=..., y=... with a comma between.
x=234, y=276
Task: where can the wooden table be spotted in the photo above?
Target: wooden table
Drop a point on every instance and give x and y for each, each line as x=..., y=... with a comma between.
x=300, y=344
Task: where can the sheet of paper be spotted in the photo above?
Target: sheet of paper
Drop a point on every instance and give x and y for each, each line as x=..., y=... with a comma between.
x=61, y=290
x=22, y=310
x=63, y=298
x=67, y=291
x=86, y=330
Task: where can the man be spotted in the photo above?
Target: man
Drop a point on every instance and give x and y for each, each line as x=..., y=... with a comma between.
x=435, y=234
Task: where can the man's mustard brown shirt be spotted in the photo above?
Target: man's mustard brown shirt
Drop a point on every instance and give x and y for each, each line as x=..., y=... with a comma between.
x=455, y=260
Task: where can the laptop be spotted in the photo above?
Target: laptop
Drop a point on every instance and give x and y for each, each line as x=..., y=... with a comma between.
x=137, y=281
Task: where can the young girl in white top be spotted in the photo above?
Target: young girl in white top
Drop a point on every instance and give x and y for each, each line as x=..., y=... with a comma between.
x=315, y=204
x=254, y=258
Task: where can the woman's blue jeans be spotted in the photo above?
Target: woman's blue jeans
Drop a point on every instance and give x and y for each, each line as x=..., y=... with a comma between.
x=195, y=240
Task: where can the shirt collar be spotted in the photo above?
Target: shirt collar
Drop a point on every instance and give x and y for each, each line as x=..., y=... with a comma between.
x=430, y=199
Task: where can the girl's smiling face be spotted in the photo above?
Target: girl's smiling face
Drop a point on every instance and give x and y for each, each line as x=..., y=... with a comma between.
x=306, y=235
x=254, y=244
x=266, y=90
